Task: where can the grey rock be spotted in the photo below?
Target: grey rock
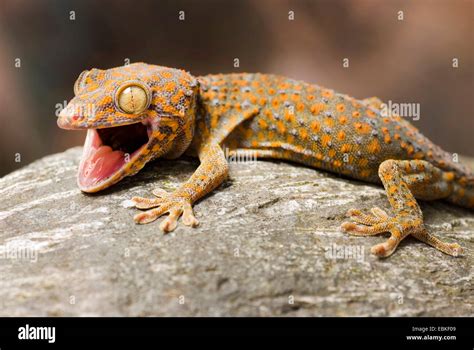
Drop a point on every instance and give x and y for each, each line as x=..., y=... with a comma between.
x=266, y=246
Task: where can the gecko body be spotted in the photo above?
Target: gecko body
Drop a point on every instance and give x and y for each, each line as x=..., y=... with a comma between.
x=140, y=112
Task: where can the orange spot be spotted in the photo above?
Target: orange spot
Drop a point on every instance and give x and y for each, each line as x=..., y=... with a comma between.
x=356, y=114
x=303, y=133
x=315, y=126
x=317, y=108
x=346, y=148
x=214, y=121
x=177, y=97
x=325, y=139
x=420, y=166
x=340, y=107
x=300, y=107
x=370, y=113
x=170, y=86
x=166, y=74
x=374, y=146
x=281, y=127
x=329, y=122
x=295, y=97
x=362, y=128
x=332, y=153
x=327, y=93
x=262, y=123
x=255, y=84
x=387, y=139
x=392, y=189
x=449, y=176
x=343, y=119
x=341, y=135
x=290, y=117
x=419, y=155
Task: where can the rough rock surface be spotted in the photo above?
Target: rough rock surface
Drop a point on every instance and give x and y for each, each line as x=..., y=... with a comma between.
x=268, y=244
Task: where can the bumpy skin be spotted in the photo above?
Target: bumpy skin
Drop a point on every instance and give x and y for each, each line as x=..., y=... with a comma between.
x=277, y=117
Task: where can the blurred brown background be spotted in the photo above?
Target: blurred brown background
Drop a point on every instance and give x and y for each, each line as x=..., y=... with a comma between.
x=404, y=61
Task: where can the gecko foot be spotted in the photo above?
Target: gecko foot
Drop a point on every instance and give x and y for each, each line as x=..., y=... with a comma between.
x=173, y=204
x=398, y=227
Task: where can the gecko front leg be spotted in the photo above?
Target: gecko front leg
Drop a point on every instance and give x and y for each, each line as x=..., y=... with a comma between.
x=212, y=171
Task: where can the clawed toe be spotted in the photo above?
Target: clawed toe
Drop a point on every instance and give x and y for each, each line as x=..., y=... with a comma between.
x=367, y=225
x=359, y=217
x=147, y=216
x=173, y=204
x=146, y=203
x=399, y=227
x=370, y=225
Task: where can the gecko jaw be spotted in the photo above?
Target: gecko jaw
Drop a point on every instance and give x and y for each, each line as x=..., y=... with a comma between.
x=108, y=154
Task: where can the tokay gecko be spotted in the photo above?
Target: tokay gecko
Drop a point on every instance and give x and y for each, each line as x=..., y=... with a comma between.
x=139, y=112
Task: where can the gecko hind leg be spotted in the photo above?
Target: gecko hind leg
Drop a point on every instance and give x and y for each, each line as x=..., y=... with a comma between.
x=403, y=181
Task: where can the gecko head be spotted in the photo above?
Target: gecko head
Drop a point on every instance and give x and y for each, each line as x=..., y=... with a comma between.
x=132, y=115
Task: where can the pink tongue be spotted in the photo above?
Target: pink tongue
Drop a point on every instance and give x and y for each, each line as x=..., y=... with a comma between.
x=101, y=164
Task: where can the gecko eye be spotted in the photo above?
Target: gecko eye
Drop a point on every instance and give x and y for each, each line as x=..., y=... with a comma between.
x=133, y=97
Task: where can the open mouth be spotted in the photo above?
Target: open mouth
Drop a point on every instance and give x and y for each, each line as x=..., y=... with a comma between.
x=107, y=151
